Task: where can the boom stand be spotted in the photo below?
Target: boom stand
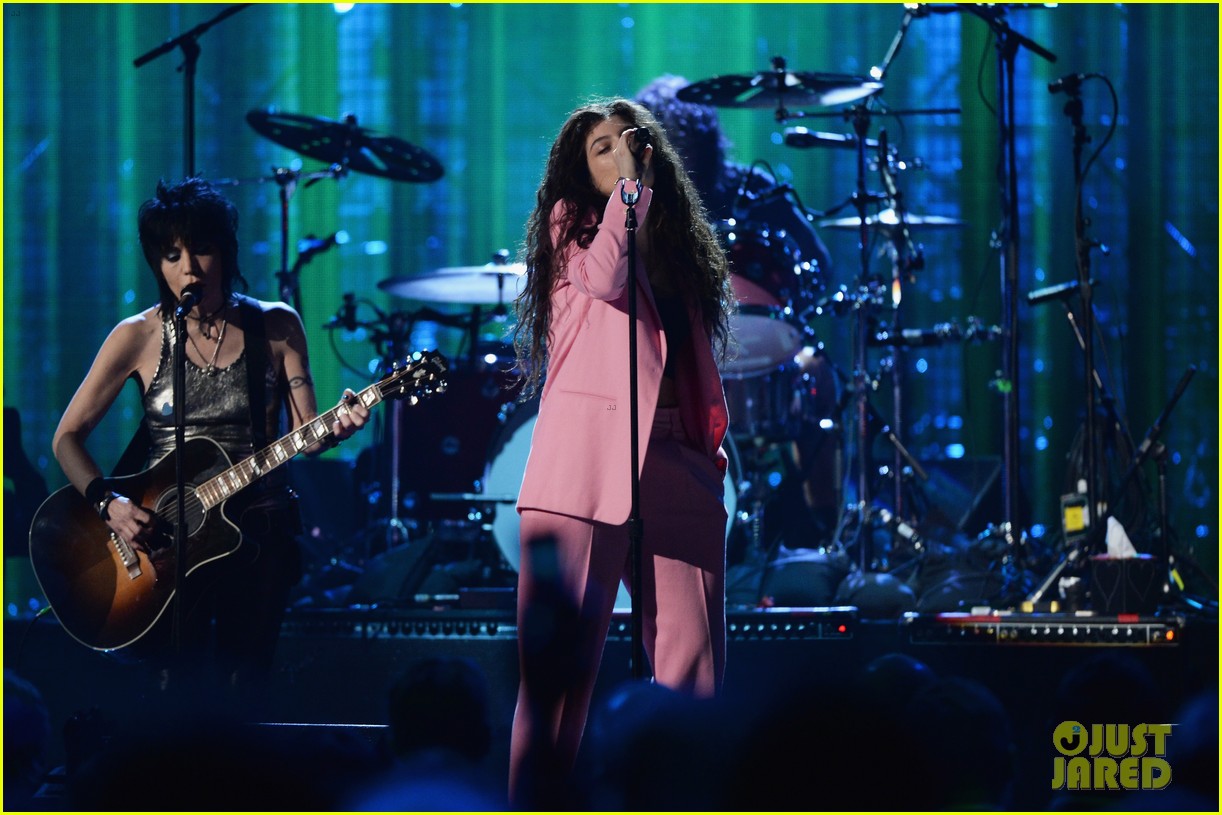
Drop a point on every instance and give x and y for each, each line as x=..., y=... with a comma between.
x=1008, y=43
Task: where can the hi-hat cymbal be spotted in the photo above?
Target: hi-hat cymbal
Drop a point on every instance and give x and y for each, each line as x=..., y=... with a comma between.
x=491, y=284
x=779, y=88
x=347, y=144
x=887, y=219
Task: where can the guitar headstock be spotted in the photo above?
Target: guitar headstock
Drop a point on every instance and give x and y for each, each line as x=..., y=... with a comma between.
x=420, y=376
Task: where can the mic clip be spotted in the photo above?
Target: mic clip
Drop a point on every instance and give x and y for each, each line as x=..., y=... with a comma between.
x=629, y=198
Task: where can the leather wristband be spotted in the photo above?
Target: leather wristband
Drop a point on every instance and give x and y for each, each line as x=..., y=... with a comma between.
x=96, y=491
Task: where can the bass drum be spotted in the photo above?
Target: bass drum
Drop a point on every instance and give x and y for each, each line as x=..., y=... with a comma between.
x=507, y=467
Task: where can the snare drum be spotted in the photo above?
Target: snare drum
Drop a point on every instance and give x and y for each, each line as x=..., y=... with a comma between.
x=507, y=467
x=773, y=285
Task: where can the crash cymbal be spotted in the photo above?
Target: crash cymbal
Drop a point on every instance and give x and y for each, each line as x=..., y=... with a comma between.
x=887, y=220
x=347, y=144
x=779, y=88
x=491, y=284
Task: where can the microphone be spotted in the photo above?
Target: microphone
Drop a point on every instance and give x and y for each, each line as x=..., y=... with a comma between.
x=310, y=246
x=802, y=137
x=1058, y=292
x=640, y=138
x=191, y=295
x=1070, y=83
x=346, y=317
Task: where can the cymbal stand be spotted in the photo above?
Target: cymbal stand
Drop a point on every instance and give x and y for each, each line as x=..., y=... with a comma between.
x=389, y=335
x=906, y=259
x=861, y=301
x=286, y=179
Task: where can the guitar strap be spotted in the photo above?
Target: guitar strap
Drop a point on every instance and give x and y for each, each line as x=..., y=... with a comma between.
x=135, y=457
x=256, y=369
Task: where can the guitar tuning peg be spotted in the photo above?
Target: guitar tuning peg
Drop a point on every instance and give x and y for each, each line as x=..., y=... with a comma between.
x=413, y=399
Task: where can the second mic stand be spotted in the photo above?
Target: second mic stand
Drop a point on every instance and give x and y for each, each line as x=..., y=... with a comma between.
x=1097, y=534
x=1073, y=109
x=189, y=43
x=636, y=526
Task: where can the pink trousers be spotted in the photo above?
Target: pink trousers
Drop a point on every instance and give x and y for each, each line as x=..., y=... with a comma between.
x=682, y=580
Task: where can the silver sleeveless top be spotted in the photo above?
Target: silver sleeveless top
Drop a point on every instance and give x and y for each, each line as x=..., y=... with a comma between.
x=218, y=407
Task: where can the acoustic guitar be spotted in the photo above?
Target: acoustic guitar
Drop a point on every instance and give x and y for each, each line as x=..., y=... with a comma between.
x=106, y=593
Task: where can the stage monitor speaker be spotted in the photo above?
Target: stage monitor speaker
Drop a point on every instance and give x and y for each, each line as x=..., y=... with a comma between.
x=964, y=494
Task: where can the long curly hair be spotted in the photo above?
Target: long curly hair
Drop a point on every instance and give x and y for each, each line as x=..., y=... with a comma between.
x=680, y=236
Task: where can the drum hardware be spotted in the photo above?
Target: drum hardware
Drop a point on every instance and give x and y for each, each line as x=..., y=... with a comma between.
x=778, y=86
x=887, y=221
x=865, y=303
x=497, y=283
x=344, y=146
x=448, y=458
x=483, y=285
x=287, y=180
x=938, y=334
x=347, y=146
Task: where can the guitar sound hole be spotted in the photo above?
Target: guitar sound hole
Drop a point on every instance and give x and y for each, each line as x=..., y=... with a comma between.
x=167, y=512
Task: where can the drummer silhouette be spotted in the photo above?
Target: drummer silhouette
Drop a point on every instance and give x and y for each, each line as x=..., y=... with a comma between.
x=802, y=510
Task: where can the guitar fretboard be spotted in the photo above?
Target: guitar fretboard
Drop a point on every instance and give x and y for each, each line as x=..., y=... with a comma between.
x=218, y=488
x=420, y=377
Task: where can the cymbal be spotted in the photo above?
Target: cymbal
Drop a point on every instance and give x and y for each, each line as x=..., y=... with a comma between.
x=888, y=220
x=775, y=88
x=347, y=144
x=491, y=284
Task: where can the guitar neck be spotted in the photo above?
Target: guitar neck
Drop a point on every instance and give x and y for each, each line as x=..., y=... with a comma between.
x=241, y=475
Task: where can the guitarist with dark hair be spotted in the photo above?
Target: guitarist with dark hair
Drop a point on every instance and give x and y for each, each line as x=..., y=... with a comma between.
x=247, y=379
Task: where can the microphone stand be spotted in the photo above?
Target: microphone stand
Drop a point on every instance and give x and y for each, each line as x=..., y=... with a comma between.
x=636, y=526
x=190, y=49
x=1008, y=43
x=180, y=515
x=1073, y=109
x=1150, y=445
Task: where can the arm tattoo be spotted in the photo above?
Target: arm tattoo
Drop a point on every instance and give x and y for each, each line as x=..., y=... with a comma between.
x=300, y=382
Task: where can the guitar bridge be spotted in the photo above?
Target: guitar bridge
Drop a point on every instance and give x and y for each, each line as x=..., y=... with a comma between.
x=127, y=555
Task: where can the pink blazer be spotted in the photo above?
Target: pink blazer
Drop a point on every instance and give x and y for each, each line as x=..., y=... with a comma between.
x=579, y=458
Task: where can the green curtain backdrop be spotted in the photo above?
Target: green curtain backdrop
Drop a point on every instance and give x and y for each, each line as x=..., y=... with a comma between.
x=485, y=87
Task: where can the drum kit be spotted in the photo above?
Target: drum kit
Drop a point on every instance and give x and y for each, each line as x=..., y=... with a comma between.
x=459, y=461
x=782, y=386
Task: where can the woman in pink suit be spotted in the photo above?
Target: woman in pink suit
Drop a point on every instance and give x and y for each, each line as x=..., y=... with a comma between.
x=572, y=336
